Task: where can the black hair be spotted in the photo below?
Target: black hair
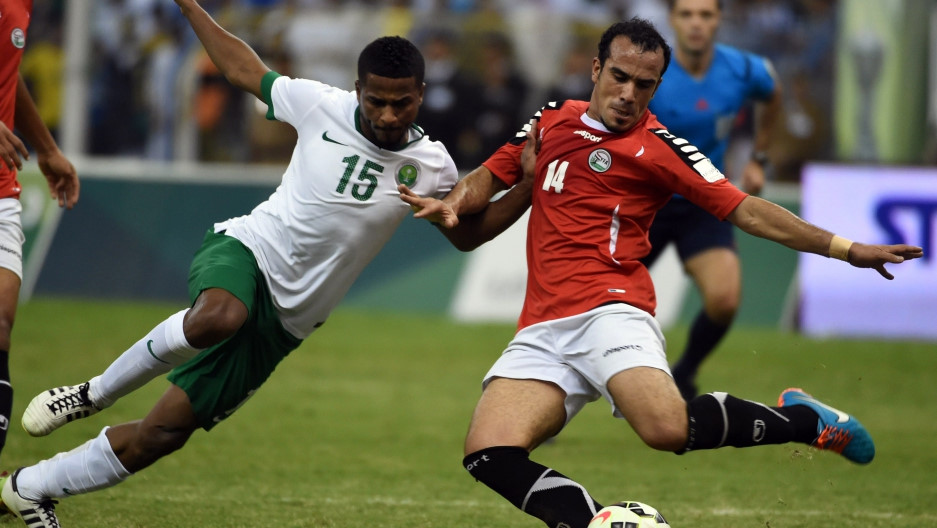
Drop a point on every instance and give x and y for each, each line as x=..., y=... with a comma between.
x=641, y=33
x=393, y=57
x=673, y=3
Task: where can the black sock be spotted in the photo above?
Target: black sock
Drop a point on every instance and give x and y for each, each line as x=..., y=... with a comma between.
x=704, y=335
x=535, y=489
x=719, y=419
x=6, y=397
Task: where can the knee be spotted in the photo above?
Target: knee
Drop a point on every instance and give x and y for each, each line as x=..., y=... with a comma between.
x=722, y=306
x=210, y=323
x=6, y=330
x=669, y=435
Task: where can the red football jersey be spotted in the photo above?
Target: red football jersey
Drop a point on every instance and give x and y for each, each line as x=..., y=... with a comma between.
x=594, y=197
x=14, y=21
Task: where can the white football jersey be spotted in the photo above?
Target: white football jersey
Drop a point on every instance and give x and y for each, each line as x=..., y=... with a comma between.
x=337, y=204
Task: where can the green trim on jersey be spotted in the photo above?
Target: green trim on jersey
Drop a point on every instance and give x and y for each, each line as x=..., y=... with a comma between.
x=266, y=86
x=418, y=130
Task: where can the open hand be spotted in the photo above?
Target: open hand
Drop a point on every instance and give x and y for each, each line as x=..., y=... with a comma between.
x=876, y=256
x=12, y=149
x=432, y=209
x=62, y=178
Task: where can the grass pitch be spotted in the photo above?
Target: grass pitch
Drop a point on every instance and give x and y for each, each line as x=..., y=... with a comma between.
x=363, y=426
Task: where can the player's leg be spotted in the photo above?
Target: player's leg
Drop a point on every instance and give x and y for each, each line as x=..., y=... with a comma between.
x=222, y=283
x=516, y=412
x=165, y=429
x=9, y=294
x=204, y=391
x=105, y=461
x=717, y=276
x=531, y=392
x=626, y=349
x=648, y=398
x=514, y=416
x=707, y=249
x=11, y=273
x=216, y=314
x=650, y=402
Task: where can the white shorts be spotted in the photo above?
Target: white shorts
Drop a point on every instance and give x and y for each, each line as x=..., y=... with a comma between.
x=11, y=236
x=581, y=353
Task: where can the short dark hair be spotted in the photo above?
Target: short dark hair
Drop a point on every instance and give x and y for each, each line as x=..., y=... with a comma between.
x=393, y=57
x=673, y=3
x=642, y=34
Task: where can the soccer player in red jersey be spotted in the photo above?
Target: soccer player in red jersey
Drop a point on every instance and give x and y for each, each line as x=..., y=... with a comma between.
x=18, y=111
x=587, y=328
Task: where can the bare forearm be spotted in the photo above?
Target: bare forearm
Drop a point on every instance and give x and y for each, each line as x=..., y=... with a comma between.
x=765, y=219
x=476, y=229
x=28, y=122
x=474, y=192
x=233, y=57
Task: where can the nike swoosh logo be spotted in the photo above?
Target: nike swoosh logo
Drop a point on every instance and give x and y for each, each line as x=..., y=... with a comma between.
x=149, y=347
x=330, y=140
x=640, y=152
x=841, y=417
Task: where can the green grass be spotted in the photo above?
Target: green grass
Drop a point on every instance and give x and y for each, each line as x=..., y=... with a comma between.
x=363, y=426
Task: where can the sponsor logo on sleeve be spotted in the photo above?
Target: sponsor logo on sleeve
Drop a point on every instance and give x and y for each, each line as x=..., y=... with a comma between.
x=691, y=156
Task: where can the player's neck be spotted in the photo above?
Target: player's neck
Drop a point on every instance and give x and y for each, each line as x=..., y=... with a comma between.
x=695, y=64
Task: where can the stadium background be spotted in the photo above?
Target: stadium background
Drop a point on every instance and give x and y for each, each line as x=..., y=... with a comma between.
x=164, y=147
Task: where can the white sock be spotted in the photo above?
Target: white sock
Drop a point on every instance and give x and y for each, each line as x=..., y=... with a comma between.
x=162, y=349
x=89, y=467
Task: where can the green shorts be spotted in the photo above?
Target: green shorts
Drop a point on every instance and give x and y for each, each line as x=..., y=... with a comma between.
x=221, y=378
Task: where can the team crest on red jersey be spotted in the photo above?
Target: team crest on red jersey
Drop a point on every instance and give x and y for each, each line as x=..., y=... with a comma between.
x=600, y=160
x=18, y=38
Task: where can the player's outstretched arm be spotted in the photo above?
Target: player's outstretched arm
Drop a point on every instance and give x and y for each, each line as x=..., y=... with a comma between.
x=233, y=57
x=475, y=229
x=470, y=195
x=59, y=172
x=486, y=219
x=765, y=219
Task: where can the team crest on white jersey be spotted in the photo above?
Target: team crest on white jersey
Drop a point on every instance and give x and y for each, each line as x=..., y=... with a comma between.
x=407, y=173
x=18, y=38
x=600, y=160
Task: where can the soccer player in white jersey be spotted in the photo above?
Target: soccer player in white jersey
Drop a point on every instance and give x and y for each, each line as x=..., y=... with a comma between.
x=263, y=282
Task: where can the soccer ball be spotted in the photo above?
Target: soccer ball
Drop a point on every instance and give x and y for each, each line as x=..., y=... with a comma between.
x=628, y=514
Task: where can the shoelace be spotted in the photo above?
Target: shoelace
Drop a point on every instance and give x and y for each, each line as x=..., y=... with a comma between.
x=44, y=513
x=69, y=401
x=833, y=439
x=47, y=510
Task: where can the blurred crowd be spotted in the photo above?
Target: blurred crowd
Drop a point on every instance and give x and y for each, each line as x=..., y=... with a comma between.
x=490, y=65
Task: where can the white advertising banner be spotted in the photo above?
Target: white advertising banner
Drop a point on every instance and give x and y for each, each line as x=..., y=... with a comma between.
x=876, y=205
